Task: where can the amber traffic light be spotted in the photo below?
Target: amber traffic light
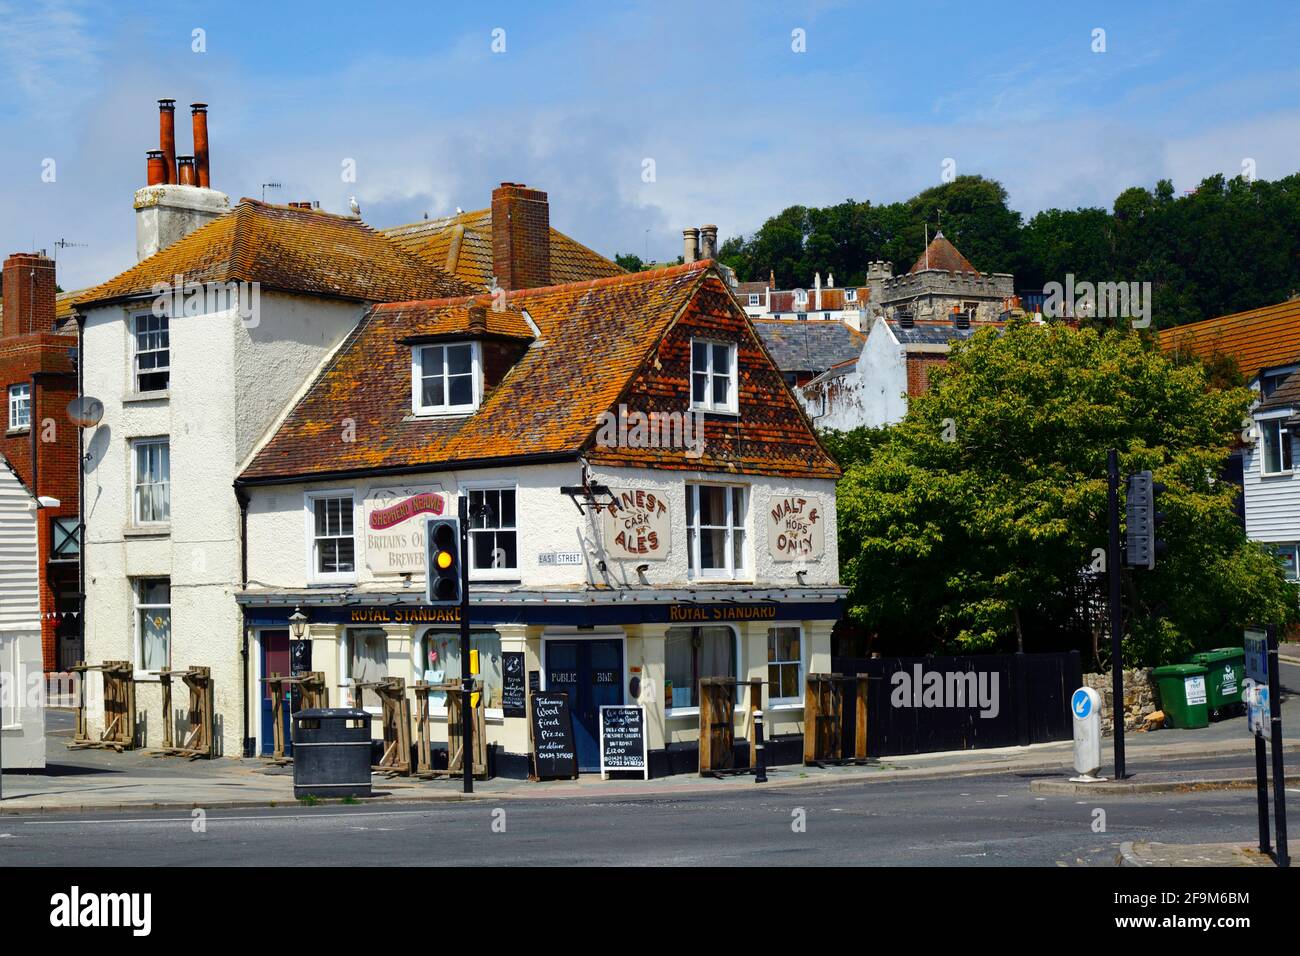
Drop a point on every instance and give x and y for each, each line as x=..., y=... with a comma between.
x=443, y=560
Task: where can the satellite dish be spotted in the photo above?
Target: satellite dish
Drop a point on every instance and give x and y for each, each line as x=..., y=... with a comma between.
x=85, y=412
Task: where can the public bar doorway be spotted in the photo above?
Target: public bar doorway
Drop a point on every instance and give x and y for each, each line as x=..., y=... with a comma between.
x=590, y=671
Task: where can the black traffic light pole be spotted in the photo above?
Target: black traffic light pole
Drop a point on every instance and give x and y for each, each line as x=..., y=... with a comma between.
x=466, y=679
x=1113, y=562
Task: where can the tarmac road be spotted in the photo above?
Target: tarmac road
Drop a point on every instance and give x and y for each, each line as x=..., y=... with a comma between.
x=991, y=820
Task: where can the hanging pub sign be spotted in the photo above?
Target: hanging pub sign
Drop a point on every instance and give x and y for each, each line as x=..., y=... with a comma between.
x=796, y=528
x=637, y=525
x=394, y=527
x=623, y=740
x=555, y=752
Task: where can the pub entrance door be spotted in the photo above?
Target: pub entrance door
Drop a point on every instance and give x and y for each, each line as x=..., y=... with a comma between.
x=590, y=671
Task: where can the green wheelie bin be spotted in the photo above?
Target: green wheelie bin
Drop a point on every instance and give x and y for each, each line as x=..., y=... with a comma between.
x=1225, y=669
x=1182, y=695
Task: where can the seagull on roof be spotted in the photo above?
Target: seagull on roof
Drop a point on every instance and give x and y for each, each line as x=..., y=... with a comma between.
x=354, y=206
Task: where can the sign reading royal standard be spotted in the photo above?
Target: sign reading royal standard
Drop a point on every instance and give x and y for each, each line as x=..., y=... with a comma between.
x=394, y=527
x=637, y=526
x=796, y=528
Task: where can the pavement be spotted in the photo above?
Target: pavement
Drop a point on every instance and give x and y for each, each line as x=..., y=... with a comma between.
x=86, y=780
x=1143, y=853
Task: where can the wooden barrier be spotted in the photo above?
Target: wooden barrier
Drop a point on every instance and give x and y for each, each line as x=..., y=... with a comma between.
x=119, y=707
x=455, y=755
x=314, y=694
x=717, y=723
x=823, y=715
x=199, y=738
x=396, y=717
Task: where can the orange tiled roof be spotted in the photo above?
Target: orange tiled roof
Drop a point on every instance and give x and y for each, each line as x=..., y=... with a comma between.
x=288, y=249
x=593, y=339
x=942, y=254
x=1258, y=339
x=462, y=245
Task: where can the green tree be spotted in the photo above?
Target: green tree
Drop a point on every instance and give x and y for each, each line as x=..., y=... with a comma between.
x=973, y=525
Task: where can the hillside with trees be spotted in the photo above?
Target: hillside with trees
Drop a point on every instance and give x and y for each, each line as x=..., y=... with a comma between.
x=1227, y=246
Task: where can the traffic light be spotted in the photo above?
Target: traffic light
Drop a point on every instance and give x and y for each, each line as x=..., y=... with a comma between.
x=1143, y=521
x=442, y=560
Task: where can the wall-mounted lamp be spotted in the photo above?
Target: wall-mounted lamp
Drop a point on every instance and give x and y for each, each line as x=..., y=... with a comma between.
x=298, y=623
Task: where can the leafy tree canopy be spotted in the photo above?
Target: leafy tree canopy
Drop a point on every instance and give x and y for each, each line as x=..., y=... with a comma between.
x=972, y=524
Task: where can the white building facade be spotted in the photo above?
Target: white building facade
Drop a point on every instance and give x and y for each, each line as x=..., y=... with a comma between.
x=22, y=671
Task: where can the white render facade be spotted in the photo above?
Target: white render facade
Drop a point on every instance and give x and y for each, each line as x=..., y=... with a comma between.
x=161, y=584
x=638, y=608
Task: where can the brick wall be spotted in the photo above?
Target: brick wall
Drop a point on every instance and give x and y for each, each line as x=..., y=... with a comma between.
x=918, y=372
x=46, y=356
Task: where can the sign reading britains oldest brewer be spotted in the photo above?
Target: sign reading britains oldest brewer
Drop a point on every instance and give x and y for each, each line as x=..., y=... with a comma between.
x=796, y=528
x=394, y=527
x=636, y=526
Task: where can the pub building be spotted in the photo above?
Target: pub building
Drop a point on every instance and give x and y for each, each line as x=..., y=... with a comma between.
x=652, y=507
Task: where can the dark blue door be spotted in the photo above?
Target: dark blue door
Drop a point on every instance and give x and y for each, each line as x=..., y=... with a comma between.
x=591, y=673
x=276, y=659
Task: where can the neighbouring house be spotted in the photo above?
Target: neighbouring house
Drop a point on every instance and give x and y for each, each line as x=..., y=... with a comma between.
x=804, y=350
x=22, y=670
x=1264, y=344
x=893, y=367
x=706, y=548
x=850, y=306
x=38, y=363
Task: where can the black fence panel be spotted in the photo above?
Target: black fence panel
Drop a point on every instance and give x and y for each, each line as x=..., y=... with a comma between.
x=932, y=704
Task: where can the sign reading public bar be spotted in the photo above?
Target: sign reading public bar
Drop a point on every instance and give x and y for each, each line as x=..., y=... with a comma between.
x=394, y=527
x=796, y=529
x=637, y=525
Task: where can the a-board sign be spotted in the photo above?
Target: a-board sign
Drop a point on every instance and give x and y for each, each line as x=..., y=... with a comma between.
x=513, y=702
x=555, y=752
x=623, y=739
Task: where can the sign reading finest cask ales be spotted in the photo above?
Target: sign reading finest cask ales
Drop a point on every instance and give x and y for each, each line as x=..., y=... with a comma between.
x=512, y=684
x=555, y=752
x=393, y=521
x=636, y=525
x=796, y=528
x=623, y=739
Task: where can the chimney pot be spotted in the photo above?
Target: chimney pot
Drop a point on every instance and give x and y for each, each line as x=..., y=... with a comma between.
x=690, y=244
x=477, y=318
x=155, y=167
x=185, y=171
x=167, y=137
x=521, y=237
x=199, y=120
x=708, y=242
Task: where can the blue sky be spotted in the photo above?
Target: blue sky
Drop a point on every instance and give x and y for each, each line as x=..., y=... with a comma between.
x=738, y=124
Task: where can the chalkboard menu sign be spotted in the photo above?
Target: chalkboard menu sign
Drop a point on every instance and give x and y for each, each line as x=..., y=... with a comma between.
x=512, y=684
x=555, y=752
x=623, y=740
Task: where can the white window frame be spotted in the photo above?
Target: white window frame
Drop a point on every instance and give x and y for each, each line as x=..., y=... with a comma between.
x=136, y=444
x=136, y=608
x=417, y=378
x=731, y=572
x=1293, y=559
x=732, y=405
x=345, y=665
x=20, y=396
x=438, y=708
x=1285, y=447
x=850, y=295
x=799, y=683
x=694, y=709
x=136, y=352
x=754, y=298
x=494, y=574
x=314, y=574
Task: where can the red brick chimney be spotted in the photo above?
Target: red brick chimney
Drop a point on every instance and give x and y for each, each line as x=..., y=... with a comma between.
x=28, y=294
x=521, y=237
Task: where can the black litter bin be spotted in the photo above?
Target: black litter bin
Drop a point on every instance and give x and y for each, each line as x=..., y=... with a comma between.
x=331, y=752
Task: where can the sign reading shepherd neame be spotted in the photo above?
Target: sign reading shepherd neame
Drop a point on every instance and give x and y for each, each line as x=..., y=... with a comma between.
x=395, y=527
x=796, y=529
x=636, y=525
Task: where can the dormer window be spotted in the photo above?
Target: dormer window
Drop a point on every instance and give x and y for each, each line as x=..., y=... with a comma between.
x=713, y=376
x=446, y=379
